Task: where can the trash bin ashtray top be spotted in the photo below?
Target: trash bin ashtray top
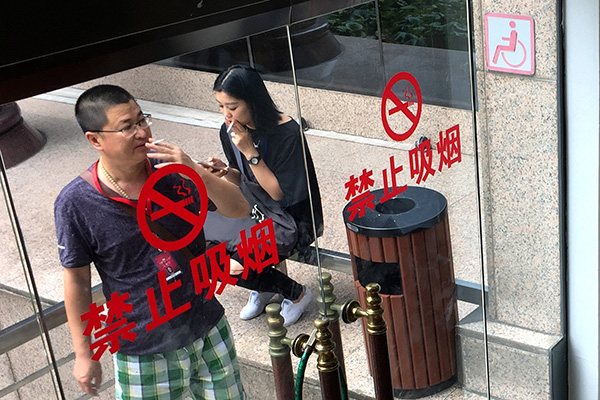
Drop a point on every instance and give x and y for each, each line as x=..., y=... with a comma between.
x=416, y=208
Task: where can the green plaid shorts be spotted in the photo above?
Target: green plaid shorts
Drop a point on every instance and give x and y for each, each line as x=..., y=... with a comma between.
x=205, y=369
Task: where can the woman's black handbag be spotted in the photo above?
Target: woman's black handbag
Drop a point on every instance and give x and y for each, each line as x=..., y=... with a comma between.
x=218, y=228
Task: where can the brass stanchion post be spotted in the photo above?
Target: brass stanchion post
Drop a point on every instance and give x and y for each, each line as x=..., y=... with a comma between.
x=279, y=350
x=333, y=316
x=327, y=363
x=376, y=328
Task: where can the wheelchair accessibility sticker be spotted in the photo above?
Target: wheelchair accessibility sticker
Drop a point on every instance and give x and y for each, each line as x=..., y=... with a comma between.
x=509, y=43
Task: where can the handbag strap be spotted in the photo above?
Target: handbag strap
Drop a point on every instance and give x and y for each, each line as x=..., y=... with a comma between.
x=155, y=227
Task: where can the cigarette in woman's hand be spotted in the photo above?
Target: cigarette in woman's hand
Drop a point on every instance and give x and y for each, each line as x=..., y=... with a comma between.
x=230, y=128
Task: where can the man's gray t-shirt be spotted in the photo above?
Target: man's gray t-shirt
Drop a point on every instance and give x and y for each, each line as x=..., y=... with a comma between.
x=92, y=228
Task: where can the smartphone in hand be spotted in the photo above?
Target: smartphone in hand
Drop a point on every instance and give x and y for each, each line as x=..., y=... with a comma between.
x=207, y=165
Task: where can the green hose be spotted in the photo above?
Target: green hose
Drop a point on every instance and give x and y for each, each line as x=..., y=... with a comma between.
x=343, y=383
x=301, y=371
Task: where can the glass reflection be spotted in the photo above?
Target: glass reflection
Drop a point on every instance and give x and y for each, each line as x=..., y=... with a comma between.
x=202, y=142
x=346, y=139
x=418, y=139
x=28, y=362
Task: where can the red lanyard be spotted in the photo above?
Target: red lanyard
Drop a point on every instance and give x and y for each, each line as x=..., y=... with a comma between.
x=119, y=199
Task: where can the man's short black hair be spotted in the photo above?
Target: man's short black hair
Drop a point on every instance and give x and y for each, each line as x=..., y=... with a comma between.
x=92, y=105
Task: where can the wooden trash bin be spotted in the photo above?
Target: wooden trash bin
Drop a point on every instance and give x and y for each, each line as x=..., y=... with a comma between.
x=403, y=245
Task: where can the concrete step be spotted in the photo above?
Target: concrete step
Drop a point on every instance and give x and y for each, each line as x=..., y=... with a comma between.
x=523, y=364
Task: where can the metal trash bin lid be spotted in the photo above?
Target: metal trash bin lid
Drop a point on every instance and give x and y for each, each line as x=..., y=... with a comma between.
x=415, y=209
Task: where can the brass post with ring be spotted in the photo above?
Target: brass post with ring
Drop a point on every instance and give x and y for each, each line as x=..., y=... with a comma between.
x=279, y=350
x=333, y=315
x=377, y=338
x=327, y=362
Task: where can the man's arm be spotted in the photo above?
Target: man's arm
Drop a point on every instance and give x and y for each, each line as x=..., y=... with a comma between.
x=78, y=297
x=220, y=169
x=233, y=176
x=227, y=196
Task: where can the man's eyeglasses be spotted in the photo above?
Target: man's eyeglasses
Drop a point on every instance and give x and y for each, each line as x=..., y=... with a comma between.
x=131, y=130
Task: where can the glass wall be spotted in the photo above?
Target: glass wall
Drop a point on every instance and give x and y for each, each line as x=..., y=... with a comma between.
x=406, y=170
x=402, y=151
x=29, y=360
x=400, y=175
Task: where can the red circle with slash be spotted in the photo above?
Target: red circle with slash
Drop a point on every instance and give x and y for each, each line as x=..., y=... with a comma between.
x=171, y=207
x=399, y=105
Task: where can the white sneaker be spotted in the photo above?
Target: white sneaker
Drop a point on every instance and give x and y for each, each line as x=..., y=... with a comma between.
x=291, y=311
x=256, y=304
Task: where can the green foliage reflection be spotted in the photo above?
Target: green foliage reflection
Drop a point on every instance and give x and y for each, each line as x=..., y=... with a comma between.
x=430, y=23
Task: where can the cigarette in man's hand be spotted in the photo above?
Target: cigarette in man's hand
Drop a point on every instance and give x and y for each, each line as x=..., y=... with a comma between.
x=155, y=142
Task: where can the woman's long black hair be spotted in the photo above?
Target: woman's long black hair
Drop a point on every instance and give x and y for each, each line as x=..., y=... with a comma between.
x=245, y=83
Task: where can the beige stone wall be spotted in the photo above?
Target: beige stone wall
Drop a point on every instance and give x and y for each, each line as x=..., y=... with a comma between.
x=518, y=134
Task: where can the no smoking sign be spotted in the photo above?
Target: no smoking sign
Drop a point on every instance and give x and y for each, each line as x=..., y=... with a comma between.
x=148, y=195
x=400, y=114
